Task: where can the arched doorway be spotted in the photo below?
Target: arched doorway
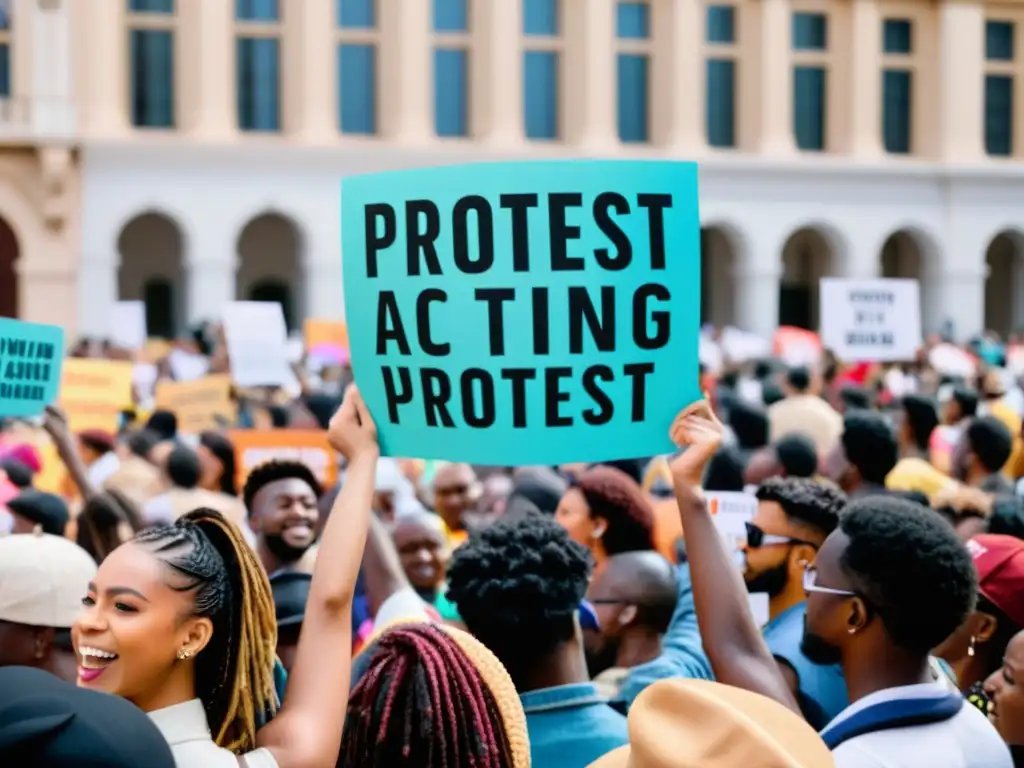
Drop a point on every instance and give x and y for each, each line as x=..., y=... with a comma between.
x=1004, y=283
x=8, y=271
x=717, y=278
x=269, y=264
x=152, y=271
x=807, y=257
x=901, y=256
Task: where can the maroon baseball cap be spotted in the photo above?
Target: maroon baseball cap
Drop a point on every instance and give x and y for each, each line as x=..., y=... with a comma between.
x=999, y=561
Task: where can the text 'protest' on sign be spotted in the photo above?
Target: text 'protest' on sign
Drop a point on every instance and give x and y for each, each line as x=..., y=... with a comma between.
x=871, y=320
x=519, y=313
x=30, y=361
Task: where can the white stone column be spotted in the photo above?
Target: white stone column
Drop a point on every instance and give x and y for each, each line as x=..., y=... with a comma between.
x=407, y=70
x=498, y=86
x=97, y=289
x=768, y=81
x=210, y=263
x=863, y=116
x=591, y=103
x=206, y=68
x=757, y=300
x=52, y=108
x=679, y=77
x=961, y=119
x=104, y=84
x=321, y=267
x=310, y=72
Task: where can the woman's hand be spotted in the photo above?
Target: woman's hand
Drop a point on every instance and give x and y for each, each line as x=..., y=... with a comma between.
x=352, y=432
x=55, y=423
x=699, y=431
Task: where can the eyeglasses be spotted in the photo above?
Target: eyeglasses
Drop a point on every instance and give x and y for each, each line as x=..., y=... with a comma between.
x=757, y=538
x=811, y=584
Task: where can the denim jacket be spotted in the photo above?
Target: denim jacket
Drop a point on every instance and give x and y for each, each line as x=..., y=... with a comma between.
x=570, y=726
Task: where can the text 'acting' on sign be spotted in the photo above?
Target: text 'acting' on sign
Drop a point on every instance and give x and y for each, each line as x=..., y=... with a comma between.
x=515, y=313
x=31, y=355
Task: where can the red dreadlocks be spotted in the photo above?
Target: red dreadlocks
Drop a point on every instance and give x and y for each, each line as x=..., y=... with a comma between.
x=423, y=703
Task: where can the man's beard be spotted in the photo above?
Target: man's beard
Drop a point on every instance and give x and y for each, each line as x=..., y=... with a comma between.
x=817, y=649
x=601, y=659
x=286, y=553
x=772, y=581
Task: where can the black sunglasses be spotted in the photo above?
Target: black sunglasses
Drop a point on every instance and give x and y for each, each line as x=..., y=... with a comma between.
x=757, y=538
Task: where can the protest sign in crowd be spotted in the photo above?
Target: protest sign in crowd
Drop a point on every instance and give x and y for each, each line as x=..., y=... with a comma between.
x=517, y=509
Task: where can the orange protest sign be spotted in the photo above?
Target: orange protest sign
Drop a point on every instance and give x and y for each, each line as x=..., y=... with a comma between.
x=319, y=331
x=199, y=404
x=93, y=392
x=256, y=446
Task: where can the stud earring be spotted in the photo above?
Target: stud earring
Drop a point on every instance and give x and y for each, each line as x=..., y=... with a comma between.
x=184, y=654
x=852, y=630
x=970, y=648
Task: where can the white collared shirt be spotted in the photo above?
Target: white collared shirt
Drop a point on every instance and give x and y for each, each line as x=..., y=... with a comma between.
x=186, y=731
x=967, y=740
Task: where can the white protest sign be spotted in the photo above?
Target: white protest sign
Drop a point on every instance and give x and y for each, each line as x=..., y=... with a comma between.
x=731, y=512
x=127, y=324
x=257, y=341
x=871, y=320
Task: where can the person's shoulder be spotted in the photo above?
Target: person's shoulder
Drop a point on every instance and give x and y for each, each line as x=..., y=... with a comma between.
x=259, y=758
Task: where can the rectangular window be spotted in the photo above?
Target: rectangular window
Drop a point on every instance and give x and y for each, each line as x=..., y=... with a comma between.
x=540, y=94
x=152, y=78
x=897, y=102
x=809, y=85
x=257, y=10
x=259, y=83
x=357, y=14
x=897, y=37
x=810, y=32
x=5, y=71
x=451, y=16
x=540, y=17
x=999, y=115
x=451, y=92
x=721, y=24
x=357, y=81
x=151, y=6
x=633, y=82
x=999, y=41
x=633, y=21
x=720, y=107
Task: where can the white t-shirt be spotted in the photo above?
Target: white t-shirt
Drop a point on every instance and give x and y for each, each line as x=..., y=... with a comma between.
x=967, y=740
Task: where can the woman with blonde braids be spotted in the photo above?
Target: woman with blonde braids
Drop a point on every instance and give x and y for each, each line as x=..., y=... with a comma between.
x=180, y=621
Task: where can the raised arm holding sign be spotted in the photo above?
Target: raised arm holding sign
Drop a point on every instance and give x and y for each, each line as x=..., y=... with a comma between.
x=527, y=312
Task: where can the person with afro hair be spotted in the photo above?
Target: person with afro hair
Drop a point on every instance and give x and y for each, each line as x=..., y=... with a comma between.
x=281, y=500
x=607, y=512
x=518, y=586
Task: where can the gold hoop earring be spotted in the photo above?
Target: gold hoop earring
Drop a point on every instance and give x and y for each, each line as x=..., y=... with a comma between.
x=184, y=654
x=970, y=648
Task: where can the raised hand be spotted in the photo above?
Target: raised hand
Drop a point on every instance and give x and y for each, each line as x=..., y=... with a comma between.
x=352, y=432
x=699, y=431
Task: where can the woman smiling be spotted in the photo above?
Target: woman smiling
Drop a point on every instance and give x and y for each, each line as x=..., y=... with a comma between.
x=180, y=621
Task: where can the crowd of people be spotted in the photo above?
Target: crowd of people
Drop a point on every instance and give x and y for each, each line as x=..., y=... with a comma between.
x=167, y=612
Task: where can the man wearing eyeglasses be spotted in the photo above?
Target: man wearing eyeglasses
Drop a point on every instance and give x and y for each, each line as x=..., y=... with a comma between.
x=794, y=517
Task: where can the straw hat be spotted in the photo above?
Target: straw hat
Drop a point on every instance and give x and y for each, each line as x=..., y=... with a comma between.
x=492, y=672
x=699, y=724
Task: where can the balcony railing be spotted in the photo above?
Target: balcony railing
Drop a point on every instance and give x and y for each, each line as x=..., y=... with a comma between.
x=31, y=119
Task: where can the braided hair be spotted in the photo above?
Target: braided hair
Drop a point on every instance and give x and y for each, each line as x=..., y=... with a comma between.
x=234, y=672
x=422, y=702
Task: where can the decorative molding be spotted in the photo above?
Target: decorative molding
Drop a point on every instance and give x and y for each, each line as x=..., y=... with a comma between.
x=56, y=170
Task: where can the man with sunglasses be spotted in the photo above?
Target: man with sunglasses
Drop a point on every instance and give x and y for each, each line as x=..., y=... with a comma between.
x=794, y=517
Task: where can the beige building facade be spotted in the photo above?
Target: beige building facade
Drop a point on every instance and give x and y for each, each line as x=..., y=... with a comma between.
x=204, y=140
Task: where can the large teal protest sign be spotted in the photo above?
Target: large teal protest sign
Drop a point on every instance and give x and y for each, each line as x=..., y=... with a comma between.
x=524, y=313
x=30, y=360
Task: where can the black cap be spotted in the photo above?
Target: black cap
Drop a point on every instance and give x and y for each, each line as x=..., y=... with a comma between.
x=19, y=473
x=45, y=721
x=45, y=509
x=291, y=591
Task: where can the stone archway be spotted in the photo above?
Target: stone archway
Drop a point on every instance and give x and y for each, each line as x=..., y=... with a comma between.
x=9, y=252
x=152, y=270
x=1004, y=283
x=807, y=256
x=270, y=264
x=717, y=277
